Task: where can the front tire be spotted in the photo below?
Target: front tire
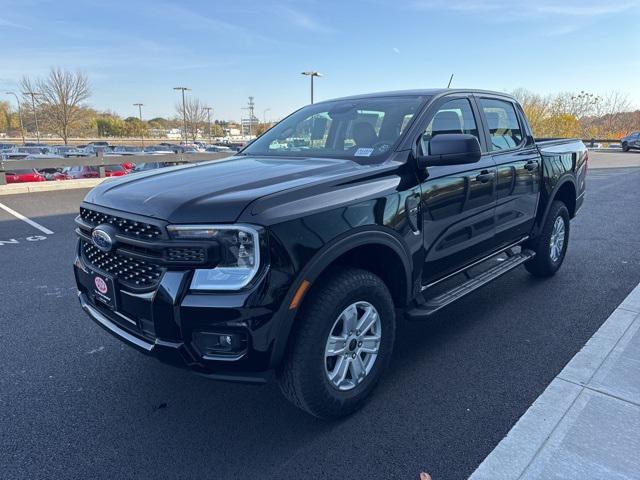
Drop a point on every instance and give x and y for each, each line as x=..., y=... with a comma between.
x=341, y=344
x=551, y=245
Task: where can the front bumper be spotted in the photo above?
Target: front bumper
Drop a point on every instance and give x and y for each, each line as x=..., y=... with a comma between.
x=162, y=323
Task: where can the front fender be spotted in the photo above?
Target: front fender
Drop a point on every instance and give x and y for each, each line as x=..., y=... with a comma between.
x=366, y=235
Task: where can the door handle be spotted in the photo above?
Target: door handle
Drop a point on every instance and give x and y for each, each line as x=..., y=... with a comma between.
x=485, y=176
x=531, y=165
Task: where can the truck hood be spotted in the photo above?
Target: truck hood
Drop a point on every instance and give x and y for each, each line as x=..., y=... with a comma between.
x=215, y=191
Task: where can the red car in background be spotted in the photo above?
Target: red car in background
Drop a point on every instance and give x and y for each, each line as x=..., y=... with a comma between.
x=21, y=175
x=77, y=172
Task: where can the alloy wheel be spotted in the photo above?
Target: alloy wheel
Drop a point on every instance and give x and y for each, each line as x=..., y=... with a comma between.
x=352, y=347
x=556, y=244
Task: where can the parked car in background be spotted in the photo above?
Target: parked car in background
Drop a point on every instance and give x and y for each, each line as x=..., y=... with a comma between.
x=78, y=172
x=217, y=148
x=630, y=142
x=115, y=170
x=34, y=150
x=84, y=171
x=92, y=149
x=158, y=150
x=57, y=175
x=21, y=175
x=124, y=150
x=143, y=167
x=12, y=155
x=189, y=150
x=68, y=151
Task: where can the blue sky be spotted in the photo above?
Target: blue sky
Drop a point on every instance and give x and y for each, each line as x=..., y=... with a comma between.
x=136, y=51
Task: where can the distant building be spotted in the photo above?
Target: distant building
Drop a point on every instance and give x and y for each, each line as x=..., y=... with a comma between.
x=174, y=134
x=248, y=125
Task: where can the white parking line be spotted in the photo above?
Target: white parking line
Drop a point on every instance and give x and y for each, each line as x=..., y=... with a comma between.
x=26, y=220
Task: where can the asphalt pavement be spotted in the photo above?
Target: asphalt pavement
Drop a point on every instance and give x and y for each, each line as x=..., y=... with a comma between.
x=77, y=403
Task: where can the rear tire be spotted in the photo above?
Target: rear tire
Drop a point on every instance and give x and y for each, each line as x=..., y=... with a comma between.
x=311, y=376
x=551, y=245
x=625, y=147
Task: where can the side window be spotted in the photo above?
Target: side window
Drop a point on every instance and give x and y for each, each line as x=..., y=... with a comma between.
x=502, y=121
x=455, y=116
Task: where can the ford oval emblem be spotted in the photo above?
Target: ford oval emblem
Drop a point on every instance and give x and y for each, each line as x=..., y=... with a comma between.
x=103, y=238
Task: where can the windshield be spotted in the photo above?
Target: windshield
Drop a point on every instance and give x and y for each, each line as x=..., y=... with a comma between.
x=357, y=129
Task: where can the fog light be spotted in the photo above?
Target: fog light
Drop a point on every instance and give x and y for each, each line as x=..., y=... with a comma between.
x=216, y=343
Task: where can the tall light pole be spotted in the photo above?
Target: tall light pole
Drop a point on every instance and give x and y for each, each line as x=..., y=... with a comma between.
x=312, y=73
x=208, y=109
x=19, y=115
x=264, y=115
x=140, y=105
x=184, y=110
x=33, y=96
x=250, y=107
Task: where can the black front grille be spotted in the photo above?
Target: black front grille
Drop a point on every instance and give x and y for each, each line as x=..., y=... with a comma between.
x=128, y=270
x=125, y=226
x=186, y=254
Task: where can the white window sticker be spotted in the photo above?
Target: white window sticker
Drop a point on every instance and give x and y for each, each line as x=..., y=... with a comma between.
x=363, y=152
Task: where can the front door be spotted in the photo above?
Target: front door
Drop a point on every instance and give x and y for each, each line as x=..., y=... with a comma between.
x=458, y=201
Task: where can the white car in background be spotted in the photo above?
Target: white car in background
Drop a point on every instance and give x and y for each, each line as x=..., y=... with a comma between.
x=158, y=150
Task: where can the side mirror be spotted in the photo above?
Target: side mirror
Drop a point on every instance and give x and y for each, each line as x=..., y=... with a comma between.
x=450, y=149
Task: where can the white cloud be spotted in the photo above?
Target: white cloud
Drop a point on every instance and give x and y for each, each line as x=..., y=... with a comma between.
x=554, y=17
x=304, y=21
x=524, y=9
x=8, y=23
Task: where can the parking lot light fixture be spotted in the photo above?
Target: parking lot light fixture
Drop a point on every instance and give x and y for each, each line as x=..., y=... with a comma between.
x=140, y=105
x=208, y=109
x=33, y=96
x=184, y=110
x=312, y=73
x=19, y=115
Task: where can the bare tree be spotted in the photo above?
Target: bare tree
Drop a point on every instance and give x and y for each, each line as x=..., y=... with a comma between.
x=59, y=99
x=581, y=114
x=195, y=114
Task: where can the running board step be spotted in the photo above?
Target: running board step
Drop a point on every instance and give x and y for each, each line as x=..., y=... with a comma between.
x=434, y=304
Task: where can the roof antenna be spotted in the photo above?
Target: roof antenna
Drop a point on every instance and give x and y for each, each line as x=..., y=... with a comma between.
x=450, y=80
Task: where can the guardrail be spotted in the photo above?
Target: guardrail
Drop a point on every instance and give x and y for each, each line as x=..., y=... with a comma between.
x=102, y=161
x=591, y=142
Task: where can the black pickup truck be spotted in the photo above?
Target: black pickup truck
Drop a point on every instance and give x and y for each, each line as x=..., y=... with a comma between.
x=293, y=258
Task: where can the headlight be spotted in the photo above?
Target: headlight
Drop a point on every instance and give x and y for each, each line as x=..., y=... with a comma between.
x=239, y=254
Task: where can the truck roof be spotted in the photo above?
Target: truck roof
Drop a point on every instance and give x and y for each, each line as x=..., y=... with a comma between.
x=423, y=91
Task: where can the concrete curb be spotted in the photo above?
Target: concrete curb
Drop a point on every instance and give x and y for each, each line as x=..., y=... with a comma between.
x=49, y=186
x=536, y=445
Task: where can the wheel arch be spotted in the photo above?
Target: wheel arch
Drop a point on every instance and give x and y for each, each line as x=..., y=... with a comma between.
x=565, y=191
x=372, y=248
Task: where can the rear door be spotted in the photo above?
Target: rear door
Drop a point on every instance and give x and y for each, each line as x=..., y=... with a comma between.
x=458, y=201
x=518, y=166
